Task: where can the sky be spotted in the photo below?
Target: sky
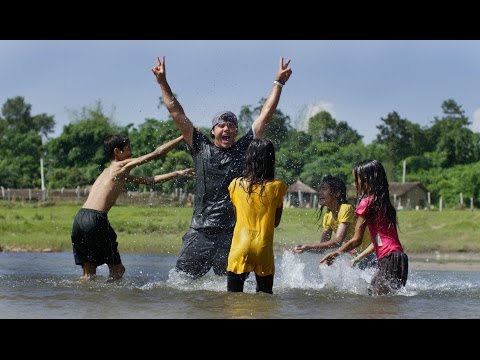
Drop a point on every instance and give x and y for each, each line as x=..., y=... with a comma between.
x=358, y=81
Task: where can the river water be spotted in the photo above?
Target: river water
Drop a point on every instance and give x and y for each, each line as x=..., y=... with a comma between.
x=46, y=285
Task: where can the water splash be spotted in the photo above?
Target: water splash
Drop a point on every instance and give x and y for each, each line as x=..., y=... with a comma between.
x=303, y=271
x=183, y=281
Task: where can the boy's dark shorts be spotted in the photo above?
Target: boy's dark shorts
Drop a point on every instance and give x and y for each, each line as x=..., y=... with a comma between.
x=93, y=239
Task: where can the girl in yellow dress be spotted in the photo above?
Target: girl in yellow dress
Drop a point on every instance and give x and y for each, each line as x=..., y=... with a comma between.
x=257, y=198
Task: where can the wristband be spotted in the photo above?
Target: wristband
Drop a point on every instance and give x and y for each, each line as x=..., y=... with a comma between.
x=276, y=82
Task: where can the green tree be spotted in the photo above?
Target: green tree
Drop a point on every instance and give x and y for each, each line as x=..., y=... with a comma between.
x=449, y=183
x=17, y=116
x=333, y=160
x=151, y=134
x=276, y=131
x=245, y=119
x=324, y=127
x=21, y=143
x=79, y=149
x=453, y=137
x=321, y=127
x=400, y=137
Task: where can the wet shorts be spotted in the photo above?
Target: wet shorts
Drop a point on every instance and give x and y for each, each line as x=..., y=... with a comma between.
x=391, y=275
x=93, y=239
x=202, y=250
x=235, y=282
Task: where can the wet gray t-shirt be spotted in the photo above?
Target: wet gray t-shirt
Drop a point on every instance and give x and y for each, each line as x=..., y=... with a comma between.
x=215, y=168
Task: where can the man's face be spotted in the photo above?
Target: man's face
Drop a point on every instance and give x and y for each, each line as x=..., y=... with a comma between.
x=224, y=134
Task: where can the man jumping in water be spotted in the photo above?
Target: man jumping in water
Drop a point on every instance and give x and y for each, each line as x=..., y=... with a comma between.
x=207, y=242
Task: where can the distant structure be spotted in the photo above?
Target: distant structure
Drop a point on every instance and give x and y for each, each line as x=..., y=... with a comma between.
x=300, y=195
x=408, y=195
x=307, y=111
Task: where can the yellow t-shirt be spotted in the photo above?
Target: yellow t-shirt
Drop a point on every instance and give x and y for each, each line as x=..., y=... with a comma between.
x=346, y=214
x=252, y=242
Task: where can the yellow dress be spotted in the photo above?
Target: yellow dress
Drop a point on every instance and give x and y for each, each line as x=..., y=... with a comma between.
x=346, y=214
x=252, y=242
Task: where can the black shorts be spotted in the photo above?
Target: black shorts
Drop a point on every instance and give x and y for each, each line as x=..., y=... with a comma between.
x=93, y=239
x=202, y=250
x=391, y=275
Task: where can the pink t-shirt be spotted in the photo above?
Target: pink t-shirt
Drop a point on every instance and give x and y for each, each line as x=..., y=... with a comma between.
x=384, y=237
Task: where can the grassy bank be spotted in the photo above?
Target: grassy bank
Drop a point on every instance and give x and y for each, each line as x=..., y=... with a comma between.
x=160, y=229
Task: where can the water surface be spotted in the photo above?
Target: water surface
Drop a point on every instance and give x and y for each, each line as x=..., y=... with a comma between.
x=46, y=285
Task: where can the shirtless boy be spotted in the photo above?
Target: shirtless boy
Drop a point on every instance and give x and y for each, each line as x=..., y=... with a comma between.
x=93, y=238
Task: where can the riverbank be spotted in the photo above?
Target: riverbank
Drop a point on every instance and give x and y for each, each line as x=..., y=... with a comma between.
x=437, y=261
x=144, y=229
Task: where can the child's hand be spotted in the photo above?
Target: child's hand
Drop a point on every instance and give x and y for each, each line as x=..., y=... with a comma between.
x=298, y=249
x=186, y=172
x=355, y=260
x=329, y=258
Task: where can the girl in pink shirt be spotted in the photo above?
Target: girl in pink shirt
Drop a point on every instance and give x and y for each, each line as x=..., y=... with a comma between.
x=376, y=212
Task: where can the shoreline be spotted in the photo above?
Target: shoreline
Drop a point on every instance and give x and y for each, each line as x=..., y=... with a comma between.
x=434, y=261
x=437, y=261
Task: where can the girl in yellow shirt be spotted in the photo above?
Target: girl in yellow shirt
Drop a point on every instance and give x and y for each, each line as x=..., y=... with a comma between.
x=339, y=219
x=257, y=198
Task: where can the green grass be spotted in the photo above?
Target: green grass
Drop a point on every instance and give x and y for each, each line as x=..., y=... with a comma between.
x=160, y=229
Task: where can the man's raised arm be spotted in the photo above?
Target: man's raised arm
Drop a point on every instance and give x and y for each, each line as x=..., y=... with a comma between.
x=172, y=104
x=268, y=109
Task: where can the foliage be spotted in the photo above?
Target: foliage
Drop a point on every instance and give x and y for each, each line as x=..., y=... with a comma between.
x=21, y=144
x=17, y=115
x=444, y=156
x=449, y=183
x=323, y=127
x=79, y=146
x=400, y=137
x=452, y=136
x=276, y=131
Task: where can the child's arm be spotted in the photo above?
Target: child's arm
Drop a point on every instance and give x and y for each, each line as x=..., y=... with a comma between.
x=326, y=235
x=326, y=240
x=370, y=249
x=354, y=242
x=151, y=180
x=129, y=164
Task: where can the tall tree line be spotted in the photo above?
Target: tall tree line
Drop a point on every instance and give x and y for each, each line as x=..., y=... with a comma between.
x=444, y=156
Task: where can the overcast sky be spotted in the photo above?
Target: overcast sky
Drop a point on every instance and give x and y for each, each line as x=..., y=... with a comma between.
x=357, y=81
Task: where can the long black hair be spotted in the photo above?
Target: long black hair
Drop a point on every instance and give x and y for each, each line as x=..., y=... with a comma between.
x=371, y=180
x=259, y=165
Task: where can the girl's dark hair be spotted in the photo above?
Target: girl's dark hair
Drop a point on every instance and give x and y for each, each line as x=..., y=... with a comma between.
x=114, y=141
x=259, y=164
x=337, y=185
x=371, y=180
